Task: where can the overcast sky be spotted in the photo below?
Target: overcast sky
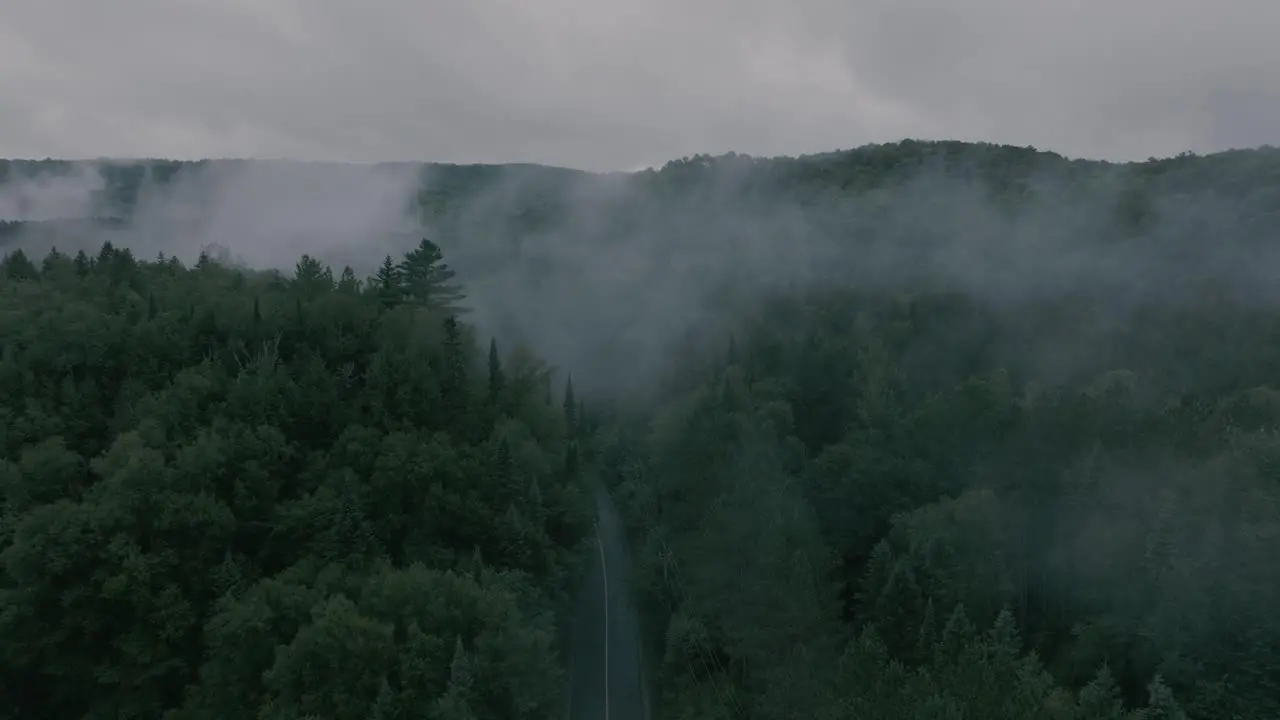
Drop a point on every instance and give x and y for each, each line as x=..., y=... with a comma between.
x=621, y=84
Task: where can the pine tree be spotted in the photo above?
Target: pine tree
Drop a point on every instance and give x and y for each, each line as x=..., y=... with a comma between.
x=18, y=267
x=1100, y=699
x=497, y=379
x=570, y=407
x=460, y=667
x=348, y=283
x=571, y=460
x=454, y=383
x=51, y=260
x=928, y=635
x=312, y=277
x=105, y=254
x=1161, y=705
x=386, y=283
x=425, y=279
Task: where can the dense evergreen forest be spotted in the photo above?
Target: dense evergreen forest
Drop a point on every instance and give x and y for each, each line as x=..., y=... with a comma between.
x=988, y=433
x=232, y=494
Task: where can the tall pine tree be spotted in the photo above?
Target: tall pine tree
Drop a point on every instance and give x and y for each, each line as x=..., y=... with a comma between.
x=425, y=279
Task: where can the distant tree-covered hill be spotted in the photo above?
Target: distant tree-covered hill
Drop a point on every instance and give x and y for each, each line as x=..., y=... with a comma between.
x=839, y=194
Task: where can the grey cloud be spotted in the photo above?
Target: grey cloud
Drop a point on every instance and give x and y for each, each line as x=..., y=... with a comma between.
x=610, y=84
x=1115, y=80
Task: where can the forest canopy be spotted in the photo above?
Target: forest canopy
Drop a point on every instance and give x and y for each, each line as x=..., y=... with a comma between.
x=1011, y=451
x=245, y=494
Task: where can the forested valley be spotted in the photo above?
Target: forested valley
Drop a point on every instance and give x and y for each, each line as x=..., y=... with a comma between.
x=987, y=433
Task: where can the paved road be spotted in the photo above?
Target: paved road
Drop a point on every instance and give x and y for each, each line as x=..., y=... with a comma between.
x=606, y=681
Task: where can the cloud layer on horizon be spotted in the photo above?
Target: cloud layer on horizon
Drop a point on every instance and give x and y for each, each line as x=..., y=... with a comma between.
x=621, y=84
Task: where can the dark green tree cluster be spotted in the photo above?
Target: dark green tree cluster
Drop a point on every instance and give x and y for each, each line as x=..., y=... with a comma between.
x=228, y=494
x=878, y=507
x=422, y=279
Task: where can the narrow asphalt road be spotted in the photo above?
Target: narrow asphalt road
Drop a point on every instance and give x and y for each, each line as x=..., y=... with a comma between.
x=606, y=678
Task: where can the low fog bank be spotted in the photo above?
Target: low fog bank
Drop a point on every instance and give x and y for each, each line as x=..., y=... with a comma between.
x=607, y=275
x=49, y=191
x=613, y=274
x=265, y=213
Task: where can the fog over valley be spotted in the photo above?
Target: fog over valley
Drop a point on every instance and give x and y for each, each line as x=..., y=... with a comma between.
x=639, y=360
x=608, y=273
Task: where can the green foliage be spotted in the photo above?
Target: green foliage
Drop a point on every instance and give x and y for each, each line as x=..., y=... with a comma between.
x=224, y=495
x=425, y=279
x=232, y=494
x=802, y=531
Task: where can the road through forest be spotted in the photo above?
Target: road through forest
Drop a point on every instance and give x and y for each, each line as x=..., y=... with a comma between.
x=606, y=678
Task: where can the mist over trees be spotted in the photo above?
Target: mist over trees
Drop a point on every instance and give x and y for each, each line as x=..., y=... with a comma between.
x=916, y=430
